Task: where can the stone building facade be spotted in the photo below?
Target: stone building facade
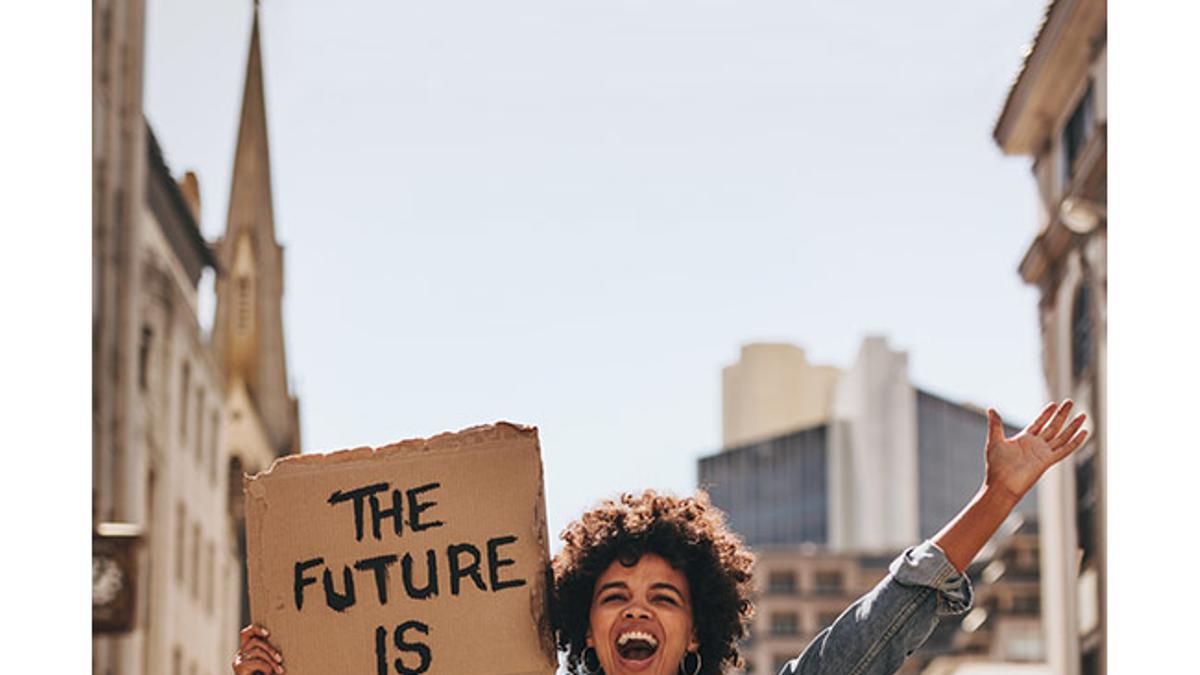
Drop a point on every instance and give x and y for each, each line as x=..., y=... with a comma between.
x=1056, y=114
x=170, y=423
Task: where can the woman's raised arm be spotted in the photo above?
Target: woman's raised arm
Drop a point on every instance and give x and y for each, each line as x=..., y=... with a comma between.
x=1013, y=466
x=881, y=629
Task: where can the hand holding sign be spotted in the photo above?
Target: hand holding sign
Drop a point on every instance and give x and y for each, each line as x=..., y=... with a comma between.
x=428, y=556
x=255, y=654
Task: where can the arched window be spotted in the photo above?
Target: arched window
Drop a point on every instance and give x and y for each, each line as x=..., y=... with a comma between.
x=1082, y=337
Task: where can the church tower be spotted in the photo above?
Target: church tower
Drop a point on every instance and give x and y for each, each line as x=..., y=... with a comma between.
x=248, y=328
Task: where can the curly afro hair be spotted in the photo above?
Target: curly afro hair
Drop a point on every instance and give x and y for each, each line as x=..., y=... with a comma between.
x=690, y=534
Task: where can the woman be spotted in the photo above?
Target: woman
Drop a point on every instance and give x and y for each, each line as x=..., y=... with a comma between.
x=656, y=584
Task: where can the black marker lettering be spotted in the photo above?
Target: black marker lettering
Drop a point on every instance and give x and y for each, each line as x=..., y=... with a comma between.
x=381, y=664
x=379, y=565
x=395, y=513
x=415, y=508
x=495, y=562
x=430, y=588
x=457, y=571
x=339, y=602
x=301, y=581
x=358, y=495
x=420, y=648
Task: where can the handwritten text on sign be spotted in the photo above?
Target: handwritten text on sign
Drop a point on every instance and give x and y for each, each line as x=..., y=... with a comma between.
x=378, y=511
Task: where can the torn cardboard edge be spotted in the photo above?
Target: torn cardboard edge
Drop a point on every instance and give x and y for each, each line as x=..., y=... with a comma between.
x=448, y=440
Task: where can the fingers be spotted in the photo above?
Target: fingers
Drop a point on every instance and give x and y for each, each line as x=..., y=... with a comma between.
x=251, y=631
x=1074, y=443
x=1036, y=427
x=264, y=646
x=1051, y=430
x=256, y=654
x=260, y=654
x=250, y=666
x=995, y=426
x=1069, y=433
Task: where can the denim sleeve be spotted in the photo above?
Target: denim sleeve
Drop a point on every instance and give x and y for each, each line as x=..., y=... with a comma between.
x=882, y=628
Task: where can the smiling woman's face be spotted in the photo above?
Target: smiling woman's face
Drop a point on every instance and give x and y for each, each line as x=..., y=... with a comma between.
x=641, y=618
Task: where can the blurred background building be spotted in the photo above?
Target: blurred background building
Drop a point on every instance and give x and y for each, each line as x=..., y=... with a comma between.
x=1056, y=115
x=178, y=415
x=800, y=590
x=867, y=461
x=846, y=469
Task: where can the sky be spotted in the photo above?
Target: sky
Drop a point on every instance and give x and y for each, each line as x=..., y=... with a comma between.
x=573, y=214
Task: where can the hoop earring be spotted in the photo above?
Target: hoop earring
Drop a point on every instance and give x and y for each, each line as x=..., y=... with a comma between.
x=587, y=658
x=683, y=670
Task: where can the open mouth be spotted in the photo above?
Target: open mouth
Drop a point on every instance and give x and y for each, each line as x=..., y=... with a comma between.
x=636, y=645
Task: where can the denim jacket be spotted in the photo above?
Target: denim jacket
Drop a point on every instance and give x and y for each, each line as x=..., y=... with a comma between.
x=876, y=633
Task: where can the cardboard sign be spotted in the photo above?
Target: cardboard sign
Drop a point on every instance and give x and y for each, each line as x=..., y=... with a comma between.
x=425, y=556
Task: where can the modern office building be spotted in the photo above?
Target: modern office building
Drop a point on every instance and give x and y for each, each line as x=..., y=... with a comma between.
x=889, y=466
x=827, y=506
x=1056, y=114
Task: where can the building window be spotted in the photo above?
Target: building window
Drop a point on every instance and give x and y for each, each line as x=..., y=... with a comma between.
x=1086, y=501
x=781, y=582
x=199, y=424
x=195, y=578
x=1029, y=604
x=144, y=357
x=213, y=435
x=209, y=574
x=826, y=619
x=180, y=532
x=1077, y=132
x=785, y=623
x=1082, y=338
x=184, y=390
x=1090, y=662
x=828, y=583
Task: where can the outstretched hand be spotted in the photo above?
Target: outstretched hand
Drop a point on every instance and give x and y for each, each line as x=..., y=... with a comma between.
x=1014, y=465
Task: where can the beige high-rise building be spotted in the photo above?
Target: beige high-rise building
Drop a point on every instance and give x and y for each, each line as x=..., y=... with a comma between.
x=173, y=422
x=1056, y=114
x=771, y=390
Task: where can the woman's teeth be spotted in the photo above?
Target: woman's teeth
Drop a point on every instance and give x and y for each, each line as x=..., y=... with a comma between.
x=636, y=645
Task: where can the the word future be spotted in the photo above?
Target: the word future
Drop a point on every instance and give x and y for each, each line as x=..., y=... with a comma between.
x=424, y=577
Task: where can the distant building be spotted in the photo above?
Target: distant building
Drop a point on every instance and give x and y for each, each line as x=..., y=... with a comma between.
x=248, y=340
x=827, y=507
x=888, y=467
x=1056, y=114
x=798, y=591
x=170, y=418
x=771, y=390
x=1004, y=625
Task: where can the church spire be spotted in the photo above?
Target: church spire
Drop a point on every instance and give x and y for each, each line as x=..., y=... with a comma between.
x=250, y=198
x=248, y=330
